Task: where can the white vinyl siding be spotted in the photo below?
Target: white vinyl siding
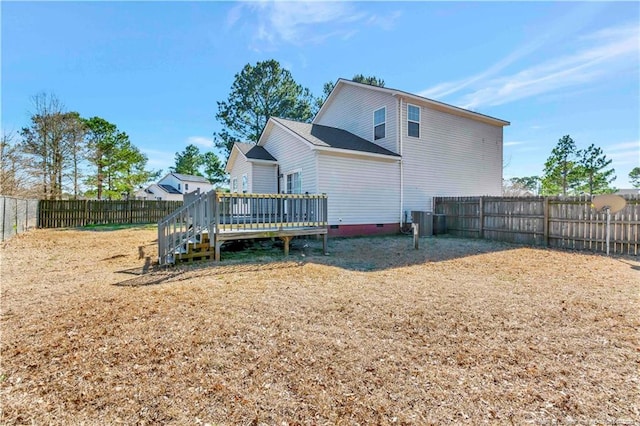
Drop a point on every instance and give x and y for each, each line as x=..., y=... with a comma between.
x=360, y=190
x=352, y=110
x=454, y=156
x=241, y=167
x=293, y=155
x=264, y=179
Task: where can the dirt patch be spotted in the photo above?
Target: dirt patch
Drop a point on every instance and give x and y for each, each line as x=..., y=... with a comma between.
x=459, y=331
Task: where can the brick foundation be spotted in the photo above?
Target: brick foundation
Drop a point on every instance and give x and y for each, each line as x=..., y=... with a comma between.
x=363, y=230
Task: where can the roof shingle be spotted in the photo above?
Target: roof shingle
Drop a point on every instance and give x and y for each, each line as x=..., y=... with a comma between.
x=331, y=137
x=254, y=152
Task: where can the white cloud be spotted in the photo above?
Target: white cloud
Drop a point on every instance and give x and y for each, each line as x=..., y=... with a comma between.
x=557, y=30
x=625, y=153
x=625, y=146
x=307, y=22
x=597, y=57
x=615, y=49
x=159, y=159
x=512, y=143
x=207, y=142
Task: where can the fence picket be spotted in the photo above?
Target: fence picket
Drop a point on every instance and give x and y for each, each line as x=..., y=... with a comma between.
x=567, y=222
x=76, y=213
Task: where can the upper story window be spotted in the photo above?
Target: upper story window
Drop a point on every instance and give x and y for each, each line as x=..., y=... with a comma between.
x=178, y=187
x=186, y=186
x=379, y=120
x=245, y=183
x=413, y=121
x=234, y=185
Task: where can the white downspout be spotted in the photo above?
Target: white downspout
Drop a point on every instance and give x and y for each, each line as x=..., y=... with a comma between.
x=401, y=162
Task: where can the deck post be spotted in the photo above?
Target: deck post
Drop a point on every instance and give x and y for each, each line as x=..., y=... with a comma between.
x=286, y=240
x=217, y=245
x=325, y=250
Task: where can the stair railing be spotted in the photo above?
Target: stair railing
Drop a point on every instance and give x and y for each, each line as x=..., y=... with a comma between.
x=185, y=226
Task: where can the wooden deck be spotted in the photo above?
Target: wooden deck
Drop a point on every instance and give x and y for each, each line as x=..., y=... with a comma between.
x=200, y=228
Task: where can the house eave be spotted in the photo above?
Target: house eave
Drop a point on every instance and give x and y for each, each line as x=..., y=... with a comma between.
x=451, y=109
x=352, y=152
x=259, y=161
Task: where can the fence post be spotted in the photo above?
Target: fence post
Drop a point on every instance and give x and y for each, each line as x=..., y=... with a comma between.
x=546, y=221
x=481, y=218
x=4, y=212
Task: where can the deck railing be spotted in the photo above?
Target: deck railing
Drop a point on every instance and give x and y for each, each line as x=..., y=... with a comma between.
x=217, y=213
x=242, y=212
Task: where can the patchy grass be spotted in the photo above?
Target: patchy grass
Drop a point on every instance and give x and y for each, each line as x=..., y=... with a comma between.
x=460, y=331
x=120, y=226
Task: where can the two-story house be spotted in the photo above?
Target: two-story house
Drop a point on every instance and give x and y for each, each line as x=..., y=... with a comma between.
x=378, y=154
x=173, y=186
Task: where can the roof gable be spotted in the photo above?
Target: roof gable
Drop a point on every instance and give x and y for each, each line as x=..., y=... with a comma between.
x=250, y=152
x=254, y=152
x=441, y=106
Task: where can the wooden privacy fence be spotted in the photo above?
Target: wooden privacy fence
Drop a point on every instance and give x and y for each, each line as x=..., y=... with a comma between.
x=566, y=222
x=73, y=213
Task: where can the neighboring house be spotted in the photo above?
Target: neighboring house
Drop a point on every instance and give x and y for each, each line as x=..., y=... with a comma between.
x=628, y=191
x=378, y=154
x=173, y=186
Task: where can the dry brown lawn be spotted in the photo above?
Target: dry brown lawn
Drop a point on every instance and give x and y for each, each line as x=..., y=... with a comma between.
x=460, y=331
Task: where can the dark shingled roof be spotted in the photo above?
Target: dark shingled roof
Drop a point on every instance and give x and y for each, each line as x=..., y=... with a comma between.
x=331, y=137
x=254, y=152
x=170, y=189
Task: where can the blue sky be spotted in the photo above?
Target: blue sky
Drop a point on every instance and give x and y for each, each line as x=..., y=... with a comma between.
x=156, y=69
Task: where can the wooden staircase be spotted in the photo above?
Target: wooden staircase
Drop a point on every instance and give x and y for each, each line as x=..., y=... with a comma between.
x=197, y=230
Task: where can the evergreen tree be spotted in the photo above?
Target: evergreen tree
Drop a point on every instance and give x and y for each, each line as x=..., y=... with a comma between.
x=192, y=162
x=119, y=166
x=258, y=93
x=594, y=172
x=560, y=173
x=634, y=177
x=189, y=161
x=213, y=168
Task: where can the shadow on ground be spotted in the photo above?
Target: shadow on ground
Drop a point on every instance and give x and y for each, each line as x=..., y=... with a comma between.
x=366, y=254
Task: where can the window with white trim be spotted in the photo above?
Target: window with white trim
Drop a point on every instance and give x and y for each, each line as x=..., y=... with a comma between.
x=379, y=121
x=413, y=121
x=234, y=185
x=294, y=183
x=245, y=183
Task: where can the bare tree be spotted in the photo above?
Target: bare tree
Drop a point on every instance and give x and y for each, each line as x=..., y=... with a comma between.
x=9, y=166
x=53, y=143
